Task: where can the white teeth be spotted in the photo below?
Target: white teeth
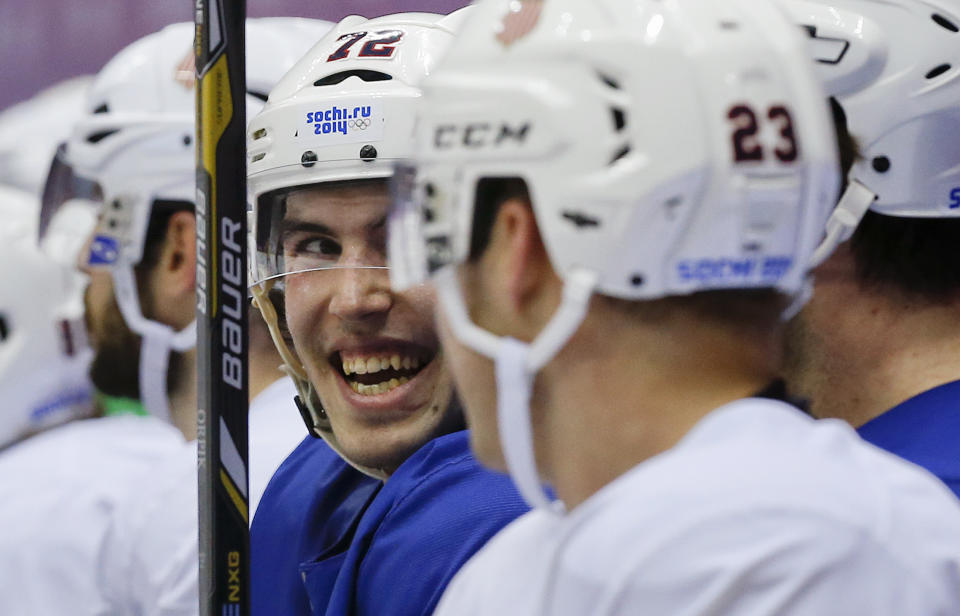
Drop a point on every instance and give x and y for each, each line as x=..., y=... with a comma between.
x=373, y=365
x=360, y=366
x=384, y=363
x=405, y=363
x=395, y=362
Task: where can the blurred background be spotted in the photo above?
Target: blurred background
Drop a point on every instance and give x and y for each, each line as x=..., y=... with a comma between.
x=43, y=42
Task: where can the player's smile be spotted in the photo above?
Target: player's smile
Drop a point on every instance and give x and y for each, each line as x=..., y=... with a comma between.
x=384, y=379
x=379, y=371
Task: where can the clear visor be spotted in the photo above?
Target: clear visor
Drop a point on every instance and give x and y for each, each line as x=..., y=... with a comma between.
x=332, y=224
x=422, y=225
x=68, y=212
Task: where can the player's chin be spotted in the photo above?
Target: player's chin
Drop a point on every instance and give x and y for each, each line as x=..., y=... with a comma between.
x=387, y=445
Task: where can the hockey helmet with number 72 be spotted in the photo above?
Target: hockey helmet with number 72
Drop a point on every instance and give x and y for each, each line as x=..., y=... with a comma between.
x=344, y=113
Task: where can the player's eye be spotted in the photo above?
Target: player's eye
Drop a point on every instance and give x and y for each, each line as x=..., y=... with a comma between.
x=316, y=246
x=306, y=250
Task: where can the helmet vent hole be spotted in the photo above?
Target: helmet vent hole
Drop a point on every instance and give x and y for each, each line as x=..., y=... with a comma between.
x=619, y=118
x=729, y=25
x=260, y=133
x=937, y=71
x=258, y=95
x=4, y=330
x=636, y=280
x=103, y=108
x=944, y=22
x=610, y=81
x=366, y=75
x=100, y=136
x=308, y=159
x=880, y=164
x=621, y=153
x=258, y=157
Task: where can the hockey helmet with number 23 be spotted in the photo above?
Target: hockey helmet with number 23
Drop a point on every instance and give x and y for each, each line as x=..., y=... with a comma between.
x=668, y=148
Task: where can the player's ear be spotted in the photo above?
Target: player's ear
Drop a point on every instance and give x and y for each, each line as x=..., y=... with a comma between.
x=527, y=274
x=178, y=264
x=172, y=280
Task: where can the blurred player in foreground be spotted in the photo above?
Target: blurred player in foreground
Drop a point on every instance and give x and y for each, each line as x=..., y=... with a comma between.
x=616, y=201
x=372, y=376
x=878, y=345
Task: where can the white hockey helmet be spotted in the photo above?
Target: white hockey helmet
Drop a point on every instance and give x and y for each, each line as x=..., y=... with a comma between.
x=43, y=353
x=894, y=67
x=668, y=148
x=135, y=149
x=344, y=112
x=30, y=132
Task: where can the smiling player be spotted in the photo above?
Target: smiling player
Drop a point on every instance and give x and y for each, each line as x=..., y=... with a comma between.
x=373, y=381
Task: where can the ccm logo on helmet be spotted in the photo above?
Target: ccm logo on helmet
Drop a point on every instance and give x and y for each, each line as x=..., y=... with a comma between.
x=477, y=135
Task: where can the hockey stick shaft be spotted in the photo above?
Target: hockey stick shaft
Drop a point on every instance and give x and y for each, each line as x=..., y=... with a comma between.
x=222, y=308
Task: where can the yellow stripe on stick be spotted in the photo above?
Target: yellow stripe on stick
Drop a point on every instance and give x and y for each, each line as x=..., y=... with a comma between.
x=234, y=495
x=217, y=111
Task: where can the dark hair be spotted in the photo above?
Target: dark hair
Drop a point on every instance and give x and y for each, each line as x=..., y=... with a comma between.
x=847, y=146
x=918, y=257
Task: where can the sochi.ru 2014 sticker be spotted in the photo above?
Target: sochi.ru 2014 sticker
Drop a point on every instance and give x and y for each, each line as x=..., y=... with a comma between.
x=344, y=122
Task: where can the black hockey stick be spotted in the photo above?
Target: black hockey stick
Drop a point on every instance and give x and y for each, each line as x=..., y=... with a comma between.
x=222, y=308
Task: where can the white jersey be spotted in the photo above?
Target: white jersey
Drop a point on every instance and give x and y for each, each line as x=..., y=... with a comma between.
x=59, y=491
x=759, y=510
x=150, y=564
x=276, y=429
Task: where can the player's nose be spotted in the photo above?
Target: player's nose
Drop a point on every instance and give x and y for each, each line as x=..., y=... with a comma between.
x=360, y=294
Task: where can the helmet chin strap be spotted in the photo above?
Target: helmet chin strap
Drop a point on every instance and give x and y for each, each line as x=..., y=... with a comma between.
x=157, y=342
x=848, y=213
x=843, y=220
x=517, y=363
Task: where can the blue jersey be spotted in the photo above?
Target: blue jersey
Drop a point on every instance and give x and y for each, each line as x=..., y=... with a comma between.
x=386, y=551
x=924, y=430
x=314, y=499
